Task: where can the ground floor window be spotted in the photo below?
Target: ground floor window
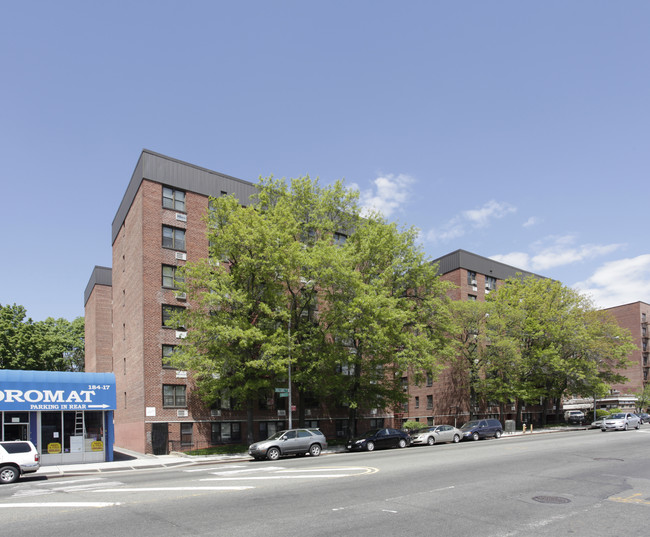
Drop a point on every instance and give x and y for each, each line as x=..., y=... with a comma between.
x=15, y=426
x=269, y=428
x=377, y=423
x=342, y=428
x=226, y=432
x=186, y=434
x=72, y=432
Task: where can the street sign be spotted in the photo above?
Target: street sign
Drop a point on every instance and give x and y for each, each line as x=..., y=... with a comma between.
x=282, y=390
x=283, y=394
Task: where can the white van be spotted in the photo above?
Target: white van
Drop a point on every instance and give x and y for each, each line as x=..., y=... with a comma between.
x=17, y=457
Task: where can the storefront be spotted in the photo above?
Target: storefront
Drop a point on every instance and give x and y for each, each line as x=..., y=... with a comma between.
x=67, y=416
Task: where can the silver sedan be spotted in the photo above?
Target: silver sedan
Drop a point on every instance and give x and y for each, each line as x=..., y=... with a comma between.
x=621, y=421
x=436, y=434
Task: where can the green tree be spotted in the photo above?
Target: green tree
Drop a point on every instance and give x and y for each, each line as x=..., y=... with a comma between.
x=643, y=398
x=50, y=345
x=254, y=301
x=387, y=312
x=557, y=343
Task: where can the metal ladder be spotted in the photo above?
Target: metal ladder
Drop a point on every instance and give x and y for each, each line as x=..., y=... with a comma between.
x=79, y=424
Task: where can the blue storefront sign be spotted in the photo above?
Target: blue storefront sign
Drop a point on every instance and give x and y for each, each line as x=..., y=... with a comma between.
x=50, y=390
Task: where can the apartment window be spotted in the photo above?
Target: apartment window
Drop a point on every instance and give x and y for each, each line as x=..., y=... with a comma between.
x=186, y=434
x=341, y=428
x=170, y=277
x=225, y=432
x=429, y=402
x=417, y=402
x=377, y=423
x=168, y=313
x=429, y=380
x=471, y=297
x=173, y=237
x=471, y=278
x=405, y=384
x=173, y=199
x=490, y=283
x=174, y=395
x=269, y=428
x=167, y=351
x=340, y=238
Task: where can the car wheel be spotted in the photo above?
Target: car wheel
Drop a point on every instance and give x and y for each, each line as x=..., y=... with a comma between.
x=497, y=434
x=625, y=427
x=475, y=436
x=370, y=446
x=401, y=443
x=9, y=474
x=638, y=426
x=314, y=450
x=273, y=454
x=456, y=439
x=602, y=430
x=431, y=440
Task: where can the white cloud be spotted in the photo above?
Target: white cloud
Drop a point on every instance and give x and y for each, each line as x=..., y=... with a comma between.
x=532, y=221
x=555, y=251
x=472, y=218
x=388, y=195
x=619, y=282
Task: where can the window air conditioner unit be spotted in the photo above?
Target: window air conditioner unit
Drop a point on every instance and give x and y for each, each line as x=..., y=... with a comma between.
x=181, y=296
x=181, y=334
x=181, y=217
x=182, y=413
x=181, y=255
x=282, y=413
x=181, y=374
x=473, y=282
x=307, y=411
x=215, y=413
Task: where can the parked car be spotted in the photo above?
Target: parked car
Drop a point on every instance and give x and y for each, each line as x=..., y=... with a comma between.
x=379, y=439
x=598, y=423
x=621, y=421
x=574, y=416
x=645, y=417
x=477, y=429
x=17, y=458
x=289, y=442
x=436, y=434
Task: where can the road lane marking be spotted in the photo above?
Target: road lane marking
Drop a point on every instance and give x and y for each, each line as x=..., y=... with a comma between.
x=60, y=504
x=168, y=489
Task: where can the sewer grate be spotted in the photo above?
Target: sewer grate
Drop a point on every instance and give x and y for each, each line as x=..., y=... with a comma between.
x=551, y=499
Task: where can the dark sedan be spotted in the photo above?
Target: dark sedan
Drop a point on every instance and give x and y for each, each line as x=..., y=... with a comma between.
x=379, y=439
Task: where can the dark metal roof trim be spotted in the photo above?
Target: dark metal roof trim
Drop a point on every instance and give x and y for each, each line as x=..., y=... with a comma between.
x=479, y=264
x=178, y=174
x=99, y=276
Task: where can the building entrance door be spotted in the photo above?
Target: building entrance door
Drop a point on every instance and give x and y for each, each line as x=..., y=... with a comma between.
x=159, y=438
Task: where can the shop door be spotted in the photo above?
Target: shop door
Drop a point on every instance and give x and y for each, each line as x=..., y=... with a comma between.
x=159, y=438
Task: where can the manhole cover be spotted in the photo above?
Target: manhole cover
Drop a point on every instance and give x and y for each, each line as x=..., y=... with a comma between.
x=551, y=499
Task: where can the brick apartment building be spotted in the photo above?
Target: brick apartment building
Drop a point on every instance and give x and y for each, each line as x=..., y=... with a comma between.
x=446, y=399
x=158, y=227
x=634, y=317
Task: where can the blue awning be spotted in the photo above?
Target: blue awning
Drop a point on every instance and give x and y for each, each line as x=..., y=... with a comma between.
x=56, y=390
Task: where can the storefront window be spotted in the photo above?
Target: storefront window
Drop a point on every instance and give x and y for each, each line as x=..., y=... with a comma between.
x=71, y=432
x=14, y=426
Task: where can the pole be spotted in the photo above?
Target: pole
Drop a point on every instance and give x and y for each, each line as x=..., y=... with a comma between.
x=290, y=407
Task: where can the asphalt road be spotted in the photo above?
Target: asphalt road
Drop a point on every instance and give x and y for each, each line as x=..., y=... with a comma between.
x=577, y=483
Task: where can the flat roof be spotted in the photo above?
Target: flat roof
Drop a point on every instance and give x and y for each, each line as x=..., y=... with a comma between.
x=479, y=264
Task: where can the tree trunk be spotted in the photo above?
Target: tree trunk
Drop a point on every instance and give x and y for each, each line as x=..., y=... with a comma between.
x=249, y=421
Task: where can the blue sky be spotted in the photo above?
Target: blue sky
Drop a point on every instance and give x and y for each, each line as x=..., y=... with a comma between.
x=515, y=130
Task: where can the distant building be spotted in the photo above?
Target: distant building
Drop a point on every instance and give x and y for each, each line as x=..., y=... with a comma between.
x=634, y=317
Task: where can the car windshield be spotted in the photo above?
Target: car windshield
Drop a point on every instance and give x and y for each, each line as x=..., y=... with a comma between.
x=616, y=417
x=276, y=435
x=470, y=424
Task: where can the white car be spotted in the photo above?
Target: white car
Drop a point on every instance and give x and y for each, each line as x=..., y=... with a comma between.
x=621, y=421
x=17, y=457
x=436, y=434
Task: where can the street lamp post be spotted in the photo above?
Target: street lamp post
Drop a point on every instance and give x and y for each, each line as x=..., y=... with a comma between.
x=289, y=366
